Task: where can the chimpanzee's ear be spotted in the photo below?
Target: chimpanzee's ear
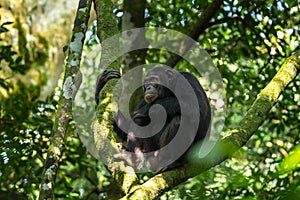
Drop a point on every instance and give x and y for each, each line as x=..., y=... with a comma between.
x=170, y=74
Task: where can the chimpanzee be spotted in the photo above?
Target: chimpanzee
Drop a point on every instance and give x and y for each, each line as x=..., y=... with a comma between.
x=160, y=87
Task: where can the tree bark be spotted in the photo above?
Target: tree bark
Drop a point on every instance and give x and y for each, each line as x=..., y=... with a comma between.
x=102, y=127
x=71, y=83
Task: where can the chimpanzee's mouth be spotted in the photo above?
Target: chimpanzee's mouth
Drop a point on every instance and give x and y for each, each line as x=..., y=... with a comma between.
x=149, y=98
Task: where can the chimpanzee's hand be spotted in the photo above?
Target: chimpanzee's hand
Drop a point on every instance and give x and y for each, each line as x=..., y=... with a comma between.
x=102, y=79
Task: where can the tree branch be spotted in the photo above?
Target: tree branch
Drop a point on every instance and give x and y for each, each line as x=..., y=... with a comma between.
x=102, y=128
x=199, y=28
x=231, y=142
x=72, y=81
x=134, y=12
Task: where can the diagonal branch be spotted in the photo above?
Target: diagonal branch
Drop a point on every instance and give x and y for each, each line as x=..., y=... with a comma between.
x=134, y=12
x=199, y=28
x=232, y=141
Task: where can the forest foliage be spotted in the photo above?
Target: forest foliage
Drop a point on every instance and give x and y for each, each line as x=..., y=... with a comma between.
x=248, y=42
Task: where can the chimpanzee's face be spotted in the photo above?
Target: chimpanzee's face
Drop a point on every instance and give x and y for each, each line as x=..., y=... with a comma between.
x=156, y=84
x=152, y=88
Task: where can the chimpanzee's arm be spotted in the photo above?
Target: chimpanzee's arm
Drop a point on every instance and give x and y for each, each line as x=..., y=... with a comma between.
x=102, y=79
x=170, y=104
x=121, y=121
